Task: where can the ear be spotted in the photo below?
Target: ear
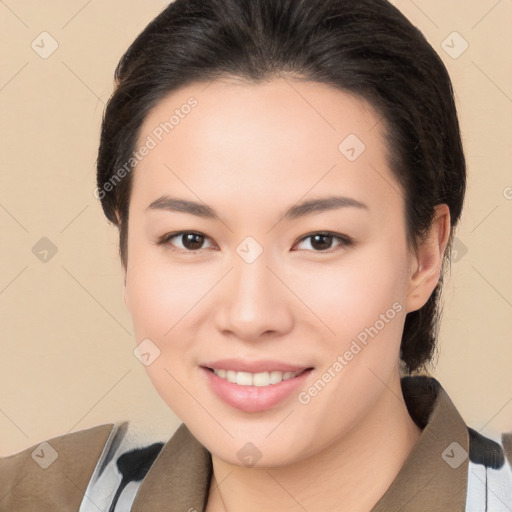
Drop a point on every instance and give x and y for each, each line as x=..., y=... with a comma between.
x=426, y=263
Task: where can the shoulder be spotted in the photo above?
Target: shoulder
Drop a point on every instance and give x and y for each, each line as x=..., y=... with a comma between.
x=52, y=473
x=489, y=471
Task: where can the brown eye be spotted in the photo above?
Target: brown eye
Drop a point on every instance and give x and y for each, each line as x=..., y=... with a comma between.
x=190, y=240
x=321, y=242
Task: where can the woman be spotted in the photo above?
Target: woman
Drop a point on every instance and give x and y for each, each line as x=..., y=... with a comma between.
x=286, y=177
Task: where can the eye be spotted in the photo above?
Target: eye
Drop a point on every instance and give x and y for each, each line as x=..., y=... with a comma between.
x=323, y=241
x=191, y=241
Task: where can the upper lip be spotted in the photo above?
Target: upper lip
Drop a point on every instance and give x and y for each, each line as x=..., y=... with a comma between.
x=262, y=365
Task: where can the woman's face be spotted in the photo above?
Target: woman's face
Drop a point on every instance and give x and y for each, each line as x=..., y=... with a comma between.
x=257, y=284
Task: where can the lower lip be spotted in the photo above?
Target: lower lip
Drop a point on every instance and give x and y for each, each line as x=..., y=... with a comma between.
x=253, y=398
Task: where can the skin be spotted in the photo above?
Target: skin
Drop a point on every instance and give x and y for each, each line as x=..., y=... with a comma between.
x=251, y=151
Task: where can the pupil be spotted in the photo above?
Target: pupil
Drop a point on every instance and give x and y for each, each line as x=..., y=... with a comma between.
x=192, y=237
x=322, y=245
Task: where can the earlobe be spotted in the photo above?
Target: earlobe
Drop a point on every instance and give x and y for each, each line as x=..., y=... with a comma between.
x=428, y=260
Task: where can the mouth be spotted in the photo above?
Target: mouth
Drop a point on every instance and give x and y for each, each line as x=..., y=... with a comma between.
x=256, y=392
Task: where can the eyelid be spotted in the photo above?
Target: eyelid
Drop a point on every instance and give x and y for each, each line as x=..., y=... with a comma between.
x=164, y=239
x=345, y=240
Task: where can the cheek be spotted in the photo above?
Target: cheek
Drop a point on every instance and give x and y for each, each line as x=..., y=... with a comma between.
x=158, y=292
x=347, y=296
x=149, y=301
x=362, y=311
x=162, y=301
x=161, y=295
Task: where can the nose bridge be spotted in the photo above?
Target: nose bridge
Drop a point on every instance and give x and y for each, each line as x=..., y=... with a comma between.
x=251, y=278
x=252, y=300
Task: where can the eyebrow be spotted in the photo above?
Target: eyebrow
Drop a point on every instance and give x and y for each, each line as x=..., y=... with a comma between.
x=302, y=209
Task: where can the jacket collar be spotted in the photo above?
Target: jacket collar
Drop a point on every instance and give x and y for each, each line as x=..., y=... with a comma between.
x=434, y=476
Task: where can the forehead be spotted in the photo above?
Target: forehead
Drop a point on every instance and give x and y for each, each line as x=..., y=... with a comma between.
x=282, y=138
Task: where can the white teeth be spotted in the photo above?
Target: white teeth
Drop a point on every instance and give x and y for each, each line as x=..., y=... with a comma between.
x=244, y=379
x=255, y=379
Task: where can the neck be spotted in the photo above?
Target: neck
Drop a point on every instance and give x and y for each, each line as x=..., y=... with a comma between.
x=351, y=474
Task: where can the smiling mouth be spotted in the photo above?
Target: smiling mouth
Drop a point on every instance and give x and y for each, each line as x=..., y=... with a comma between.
x=260, y=379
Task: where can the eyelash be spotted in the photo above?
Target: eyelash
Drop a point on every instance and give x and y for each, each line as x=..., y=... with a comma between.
x=345, y=241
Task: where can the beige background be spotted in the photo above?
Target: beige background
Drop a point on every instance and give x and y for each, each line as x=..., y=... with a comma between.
x=66, y=339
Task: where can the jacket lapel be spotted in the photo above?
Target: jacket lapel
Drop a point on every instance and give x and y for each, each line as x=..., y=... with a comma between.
x=179, y=479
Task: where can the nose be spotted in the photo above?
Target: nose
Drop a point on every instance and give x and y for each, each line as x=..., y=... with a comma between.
x=253, y=302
